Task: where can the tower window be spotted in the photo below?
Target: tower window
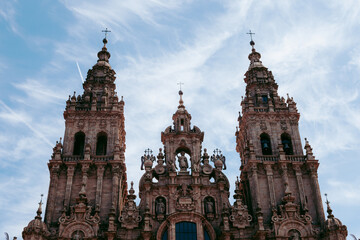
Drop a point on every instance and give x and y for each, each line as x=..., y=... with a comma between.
x=79, y=143
x=101, y=144
x=265, y=98
x=265, y=144
x=287, y=145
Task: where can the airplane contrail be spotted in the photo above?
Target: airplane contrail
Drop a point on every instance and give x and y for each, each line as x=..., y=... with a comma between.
x=81, y=76
x=39, y=134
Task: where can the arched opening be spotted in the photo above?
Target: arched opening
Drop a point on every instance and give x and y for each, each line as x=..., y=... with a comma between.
x=185, y=231
x=265, y=144
x=287, y=145
x=294, y=235
x=206, y=235
x=79, y=143
x=101, y=144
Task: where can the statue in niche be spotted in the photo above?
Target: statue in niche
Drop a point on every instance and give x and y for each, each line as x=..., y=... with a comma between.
x=160, y=206
x=183, y=163
x=209, y=205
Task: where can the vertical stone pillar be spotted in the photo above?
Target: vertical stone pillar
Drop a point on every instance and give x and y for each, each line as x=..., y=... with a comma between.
x=285, y=178
x=300, y=185
x=84, y=170
x=115, y=185
x=317, y=194
x=269, y=174
x=99, y=183
x=54, y=177
x=254, y=184
x=69, y=181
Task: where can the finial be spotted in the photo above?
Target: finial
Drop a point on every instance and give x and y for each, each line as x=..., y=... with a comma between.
x=252, y=43
x=181, y=102
x=329, y=210
x=39, y=211
x=106, y=31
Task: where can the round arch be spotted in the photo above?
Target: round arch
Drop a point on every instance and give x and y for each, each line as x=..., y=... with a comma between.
x=201, y=222
x=284, y=228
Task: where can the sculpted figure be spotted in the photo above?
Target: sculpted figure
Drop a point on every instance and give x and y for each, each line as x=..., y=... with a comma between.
x=183, y=163
x=209, y=206
x=160, y=206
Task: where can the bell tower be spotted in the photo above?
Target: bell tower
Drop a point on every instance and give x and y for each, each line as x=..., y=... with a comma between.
x=87, y=170
x=279, y=182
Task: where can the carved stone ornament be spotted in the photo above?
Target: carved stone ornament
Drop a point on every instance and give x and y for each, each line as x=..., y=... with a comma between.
x=130, y=216
x=80, y=220
x=288, y=217
x=185, y=202
x=263, y=125
x=240, y=216
x=283, y=125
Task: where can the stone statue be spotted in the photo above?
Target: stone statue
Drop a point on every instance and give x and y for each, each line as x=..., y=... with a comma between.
x=172, y=166
x=209, y=206
x=196, y=165
x=183, y=163
x=160, y=206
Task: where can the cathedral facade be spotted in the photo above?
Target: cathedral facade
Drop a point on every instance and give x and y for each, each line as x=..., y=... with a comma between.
x=184, y=193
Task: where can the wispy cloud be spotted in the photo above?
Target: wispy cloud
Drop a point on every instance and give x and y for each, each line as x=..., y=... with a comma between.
x=16, y=117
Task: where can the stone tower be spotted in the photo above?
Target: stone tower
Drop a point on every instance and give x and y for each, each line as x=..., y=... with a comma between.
x=87, y=171
x=279, y=182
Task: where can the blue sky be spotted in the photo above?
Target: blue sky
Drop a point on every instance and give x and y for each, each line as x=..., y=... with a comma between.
x=312, y=48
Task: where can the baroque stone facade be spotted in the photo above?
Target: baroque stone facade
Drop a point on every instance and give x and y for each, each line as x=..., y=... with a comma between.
x=184, y=193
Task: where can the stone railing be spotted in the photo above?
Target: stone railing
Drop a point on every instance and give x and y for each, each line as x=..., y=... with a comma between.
x=101, y=158
x=72, y=158
x=295, y=158
x=92, y=158
x=275, y=158
x=267, y=158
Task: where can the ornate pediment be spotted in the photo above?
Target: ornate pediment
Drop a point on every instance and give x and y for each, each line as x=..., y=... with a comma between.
x=81, y=222
x=240, y=216
x=130, y=216
x=288, y=219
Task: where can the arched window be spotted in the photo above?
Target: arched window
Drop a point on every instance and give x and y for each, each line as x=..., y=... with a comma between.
x=287, y=145
x=206, y=235
x=101, y=144
x=185, y=231
x=265, y=144
x=79, y=143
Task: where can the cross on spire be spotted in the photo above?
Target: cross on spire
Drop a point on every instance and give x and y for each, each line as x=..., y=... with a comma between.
x=180, y=83
x=106, y=31
x=250, y=33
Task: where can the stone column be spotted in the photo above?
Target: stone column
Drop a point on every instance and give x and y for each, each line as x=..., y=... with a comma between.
x=115, y=184
x=269, y=174
x=254, y=184
x=54, y=177
x=317, y=194
x=99, y=183
x=300, y=184
x=69, y=181
x=285, y=178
